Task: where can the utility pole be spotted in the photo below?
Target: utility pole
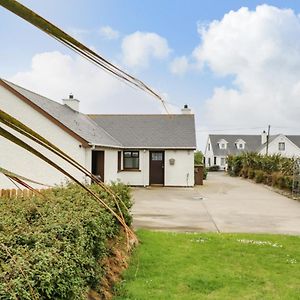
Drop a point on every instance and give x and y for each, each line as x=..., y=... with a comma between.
x=268, y=138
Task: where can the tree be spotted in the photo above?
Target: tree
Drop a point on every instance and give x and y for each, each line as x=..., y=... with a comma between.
x=198, y=157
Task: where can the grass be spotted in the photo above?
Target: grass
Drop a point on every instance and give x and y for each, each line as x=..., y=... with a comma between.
x=212, y=266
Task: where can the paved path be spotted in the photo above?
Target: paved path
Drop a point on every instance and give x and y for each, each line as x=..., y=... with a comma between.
x=223, y=204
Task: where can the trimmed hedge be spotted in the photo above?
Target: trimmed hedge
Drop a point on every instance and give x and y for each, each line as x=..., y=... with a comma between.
x=52, y=248
x=272, y=170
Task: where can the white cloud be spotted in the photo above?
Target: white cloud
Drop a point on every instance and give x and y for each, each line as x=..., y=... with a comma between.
x=179, y=65
x=261, y=50
x=55, y=75
x=139, y=47
x=109, y=33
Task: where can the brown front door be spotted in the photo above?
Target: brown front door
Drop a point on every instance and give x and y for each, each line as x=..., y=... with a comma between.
x=98, y=164
x=157, y=165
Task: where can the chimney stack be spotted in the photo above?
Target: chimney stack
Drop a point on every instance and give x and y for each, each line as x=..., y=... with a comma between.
x=72, y=102
x=186, y=110
x=263, y=137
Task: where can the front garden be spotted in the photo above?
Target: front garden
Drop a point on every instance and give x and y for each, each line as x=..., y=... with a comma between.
x=187, y=266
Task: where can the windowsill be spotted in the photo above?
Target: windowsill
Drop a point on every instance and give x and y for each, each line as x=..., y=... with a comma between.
x=129, y=170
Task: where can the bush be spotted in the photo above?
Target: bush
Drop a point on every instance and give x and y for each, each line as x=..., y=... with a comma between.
x=214, y=168
x=251, y=173
x=51, y=248
x=204, y=173
x=259, y=176
x=244, y=173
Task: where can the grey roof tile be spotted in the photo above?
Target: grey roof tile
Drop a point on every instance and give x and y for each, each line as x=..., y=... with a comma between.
x=77, y=122
x=150, y=131
x=121, y=131
x=252, y=143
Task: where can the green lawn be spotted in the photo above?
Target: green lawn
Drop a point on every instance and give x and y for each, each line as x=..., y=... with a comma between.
x=212, y=266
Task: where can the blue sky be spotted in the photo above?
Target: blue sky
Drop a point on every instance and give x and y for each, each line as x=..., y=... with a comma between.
x=176, y=23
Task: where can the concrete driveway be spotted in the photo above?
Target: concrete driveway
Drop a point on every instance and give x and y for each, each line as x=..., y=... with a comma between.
x=223, y=204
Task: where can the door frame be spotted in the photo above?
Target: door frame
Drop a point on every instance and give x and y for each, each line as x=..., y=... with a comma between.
x=164, y=166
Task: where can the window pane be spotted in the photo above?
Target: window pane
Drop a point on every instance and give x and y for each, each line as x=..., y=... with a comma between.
x=127, y=154
x=134, y=154
x=156, y=156
x=131, y=162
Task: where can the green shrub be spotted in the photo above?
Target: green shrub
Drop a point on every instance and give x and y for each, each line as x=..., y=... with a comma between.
x=259, y=176
x=244, y=172
x=268, y=179
x=251, y=173
x=205, y=173
x=214, y=168
x=51, y=248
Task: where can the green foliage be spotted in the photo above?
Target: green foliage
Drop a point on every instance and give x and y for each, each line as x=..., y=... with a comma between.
x=51, y=248
x=259, y=176
x=273, y=170
x=212, y=266
x=213, y=168
x=198, y=158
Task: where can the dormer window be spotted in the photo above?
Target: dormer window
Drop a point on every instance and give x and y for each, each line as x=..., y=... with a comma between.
x=222, y=144
x=240, y=144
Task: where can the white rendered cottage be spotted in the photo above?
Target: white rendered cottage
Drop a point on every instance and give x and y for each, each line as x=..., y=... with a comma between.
x=218, y=147
x=139, y=150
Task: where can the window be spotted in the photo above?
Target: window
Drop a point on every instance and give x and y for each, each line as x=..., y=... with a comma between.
x=131, y=159
x=156, y=156
x=281, y=146
x=209, y=161
x=222, y=161
x=208, y=147
x=241, y=146
x=222, y=146
x=215, y=160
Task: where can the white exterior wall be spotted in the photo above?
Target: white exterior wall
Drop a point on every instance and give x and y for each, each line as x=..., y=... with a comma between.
x=179, y=174
x=132, y=177
x=20, y=161
x=290, y=148
x=182, y=172
x=209, y=154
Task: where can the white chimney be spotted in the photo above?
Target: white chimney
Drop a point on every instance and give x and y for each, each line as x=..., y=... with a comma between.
x=263, y=137
x=186, y=110
x=72, y=102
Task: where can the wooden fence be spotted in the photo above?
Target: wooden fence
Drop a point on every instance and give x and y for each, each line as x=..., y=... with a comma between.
x=13, y=193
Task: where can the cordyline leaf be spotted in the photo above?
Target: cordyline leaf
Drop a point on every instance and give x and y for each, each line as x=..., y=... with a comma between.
x=18, y=126
x=55, y=32
x=14, y=175
x=35, y=152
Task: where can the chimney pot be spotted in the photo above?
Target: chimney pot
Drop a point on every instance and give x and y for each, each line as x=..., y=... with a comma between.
x=186, y=110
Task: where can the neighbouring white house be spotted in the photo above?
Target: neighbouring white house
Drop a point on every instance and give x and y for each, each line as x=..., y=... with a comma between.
x=218, y=147
x=139, y=150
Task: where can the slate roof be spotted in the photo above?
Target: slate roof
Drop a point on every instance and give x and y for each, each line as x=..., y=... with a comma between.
x=295, y=139
x=150, y=131
x=79, y=123
x=119, y=131
x=252, y=143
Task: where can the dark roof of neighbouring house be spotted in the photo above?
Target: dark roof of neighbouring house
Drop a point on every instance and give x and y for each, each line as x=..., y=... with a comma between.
x=252, y=143
x=150, y=131
x=119, y=131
